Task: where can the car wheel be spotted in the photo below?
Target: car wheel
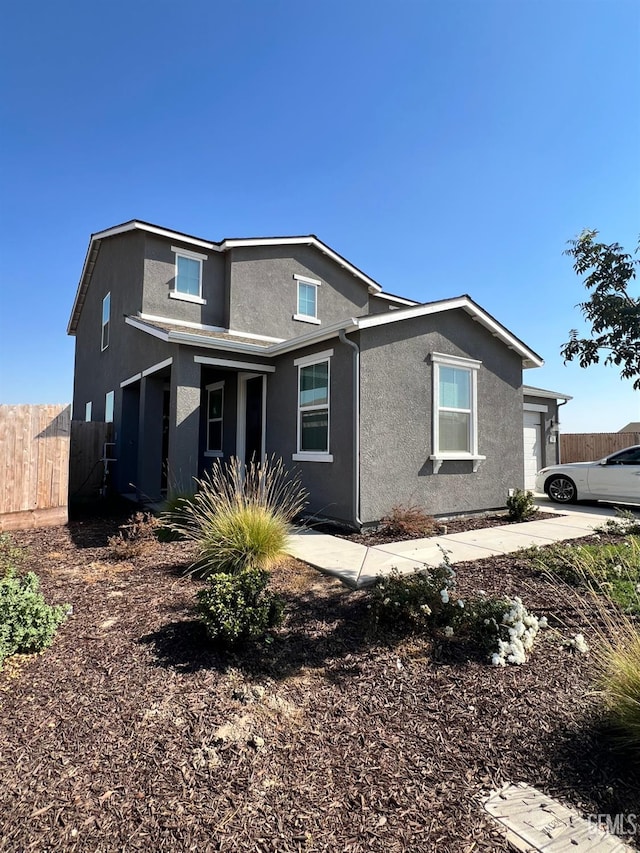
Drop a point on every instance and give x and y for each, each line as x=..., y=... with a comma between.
x=562, y=490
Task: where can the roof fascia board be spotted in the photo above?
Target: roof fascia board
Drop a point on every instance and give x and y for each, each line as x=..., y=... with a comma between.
x=145, y=327
x=136, y=225
x=391, y=298
x=530, y=391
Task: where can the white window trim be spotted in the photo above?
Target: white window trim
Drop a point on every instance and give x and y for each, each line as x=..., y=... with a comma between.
x=215, y=386
x=188, y=297
x=473, y=367
x=104, y=346
x=113, y=404
x=312, y=282
x=313, y=455
x=87, y=411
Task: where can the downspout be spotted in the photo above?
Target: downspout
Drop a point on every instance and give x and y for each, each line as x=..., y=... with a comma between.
x=558, y=434
x=356, y=425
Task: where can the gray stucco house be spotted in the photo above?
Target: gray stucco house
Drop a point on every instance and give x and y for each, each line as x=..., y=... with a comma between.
x=199, y=350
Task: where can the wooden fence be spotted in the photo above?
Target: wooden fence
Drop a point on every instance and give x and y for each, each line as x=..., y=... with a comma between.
x=34, y=465
x=589, y=446
x=86, y=467
x=46, y=459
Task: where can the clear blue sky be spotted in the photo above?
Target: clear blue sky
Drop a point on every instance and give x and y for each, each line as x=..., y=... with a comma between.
x=443, y=147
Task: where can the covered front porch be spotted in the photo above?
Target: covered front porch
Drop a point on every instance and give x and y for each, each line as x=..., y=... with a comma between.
x=181, y=414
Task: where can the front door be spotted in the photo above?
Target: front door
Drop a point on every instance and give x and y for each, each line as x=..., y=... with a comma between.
x=250, y=434
x=253, y=420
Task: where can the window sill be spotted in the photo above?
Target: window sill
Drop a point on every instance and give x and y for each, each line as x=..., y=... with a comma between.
x=439, y=458
x=302, y=318
x=187, y=297
x=218, y=454
x=312, y=457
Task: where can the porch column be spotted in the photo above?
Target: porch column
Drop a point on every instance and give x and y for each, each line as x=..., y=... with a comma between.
x=150, y=439
x=184, y=423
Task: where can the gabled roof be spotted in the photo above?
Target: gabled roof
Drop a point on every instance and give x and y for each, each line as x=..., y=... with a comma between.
x=215, y=339
x=634, y=426
x=222, y=246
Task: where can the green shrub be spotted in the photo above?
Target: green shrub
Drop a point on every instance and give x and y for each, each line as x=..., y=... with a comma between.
x=521, y=506
x=625, y=523
x=238, y=608
x=404, y=521
x=27, y=623
x=240, y=516
x=419, y=600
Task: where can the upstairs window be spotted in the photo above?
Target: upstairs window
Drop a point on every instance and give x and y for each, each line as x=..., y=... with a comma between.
x=87, y=411
x=313, y=408
x=106, y=321
x=455, y=416
x=215, y=412
x=307, y=303
x=188, y=276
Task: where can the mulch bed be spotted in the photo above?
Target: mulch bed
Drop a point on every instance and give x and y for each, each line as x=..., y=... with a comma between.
x=133, y=733
x=381, y=536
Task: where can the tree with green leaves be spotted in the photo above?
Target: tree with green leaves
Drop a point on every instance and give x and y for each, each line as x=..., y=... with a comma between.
x=612, y=310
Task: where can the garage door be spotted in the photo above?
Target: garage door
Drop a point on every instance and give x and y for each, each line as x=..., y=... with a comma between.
x=532, y=448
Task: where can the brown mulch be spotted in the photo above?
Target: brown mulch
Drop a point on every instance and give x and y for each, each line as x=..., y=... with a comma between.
x=133, y=733
x=381, y=535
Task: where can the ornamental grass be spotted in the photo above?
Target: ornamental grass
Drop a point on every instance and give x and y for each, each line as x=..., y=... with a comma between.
x=240, y=516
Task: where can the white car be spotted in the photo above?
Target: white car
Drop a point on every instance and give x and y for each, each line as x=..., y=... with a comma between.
x=614, y=478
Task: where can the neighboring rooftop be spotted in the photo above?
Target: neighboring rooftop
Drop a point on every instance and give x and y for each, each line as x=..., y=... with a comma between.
x=634, y=426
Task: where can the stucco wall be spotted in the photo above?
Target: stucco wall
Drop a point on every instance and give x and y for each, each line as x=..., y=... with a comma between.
x=549, y=448
x=159, y=281
x=263, y=292
x=396, y=418
x=330, y=483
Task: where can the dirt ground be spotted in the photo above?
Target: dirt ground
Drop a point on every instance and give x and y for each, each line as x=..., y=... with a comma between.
x=133, y=733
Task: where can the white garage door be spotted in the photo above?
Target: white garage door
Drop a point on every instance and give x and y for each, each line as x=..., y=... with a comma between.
x=532, y=448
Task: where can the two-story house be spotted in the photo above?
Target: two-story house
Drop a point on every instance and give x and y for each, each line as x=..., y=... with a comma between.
x=199, y=350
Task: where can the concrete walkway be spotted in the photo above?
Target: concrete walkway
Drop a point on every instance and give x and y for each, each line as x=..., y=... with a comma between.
x=358, y=565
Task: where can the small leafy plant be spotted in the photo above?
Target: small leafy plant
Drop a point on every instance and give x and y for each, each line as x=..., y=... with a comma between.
x=407, y=521
x=27, y=623
x=236, y=609
x=417, y=600
x=521, y=505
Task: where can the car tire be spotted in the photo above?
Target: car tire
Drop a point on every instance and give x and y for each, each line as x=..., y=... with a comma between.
x=561, y=489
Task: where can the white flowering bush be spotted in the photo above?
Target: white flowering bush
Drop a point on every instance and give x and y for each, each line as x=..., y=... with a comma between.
x=501, y=629
x=420, y=600
x=508, y=630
